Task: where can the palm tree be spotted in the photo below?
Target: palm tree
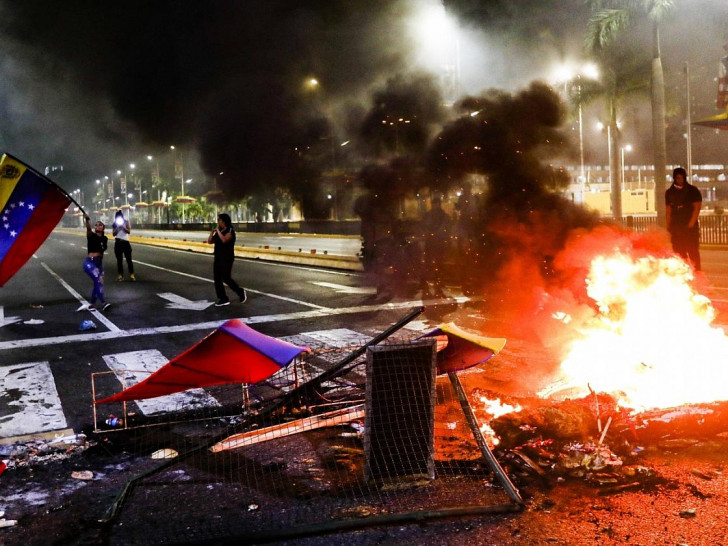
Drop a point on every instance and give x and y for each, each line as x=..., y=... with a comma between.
x=622, y=75
x=610, y=18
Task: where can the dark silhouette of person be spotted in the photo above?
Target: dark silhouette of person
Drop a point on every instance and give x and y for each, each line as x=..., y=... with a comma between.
x=436, y=228
x=223, y=237
x=682, y=208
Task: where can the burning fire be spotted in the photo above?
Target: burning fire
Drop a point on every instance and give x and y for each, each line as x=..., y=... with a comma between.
x=650, y=341
x=494, y=408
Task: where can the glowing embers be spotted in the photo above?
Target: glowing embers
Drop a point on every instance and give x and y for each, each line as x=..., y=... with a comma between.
x=650, y=341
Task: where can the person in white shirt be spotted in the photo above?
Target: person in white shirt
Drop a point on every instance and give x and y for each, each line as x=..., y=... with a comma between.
x=122, y=246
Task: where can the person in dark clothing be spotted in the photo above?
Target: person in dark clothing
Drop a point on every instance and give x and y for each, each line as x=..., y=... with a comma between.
x=682, y=208
x=93, y=265
x=436, y=231
x=223, y=237
x=122, y=246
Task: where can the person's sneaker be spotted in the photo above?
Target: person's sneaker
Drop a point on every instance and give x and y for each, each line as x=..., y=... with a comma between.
x=106, y=306
x=221, y=303
x=90, y=308
x=132, y=277
x=243, y=296
x=119, y=278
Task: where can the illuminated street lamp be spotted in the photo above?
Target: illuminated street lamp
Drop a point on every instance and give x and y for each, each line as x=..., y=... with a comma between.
x=396, y=125
x=625, y=148
x=567, y=74
x=601, y=127
x=435, y=31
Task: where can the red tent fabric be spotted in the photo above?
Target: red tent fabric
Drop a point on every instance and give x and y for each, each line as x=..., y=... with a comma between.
x=234, y=353
x=460, y=350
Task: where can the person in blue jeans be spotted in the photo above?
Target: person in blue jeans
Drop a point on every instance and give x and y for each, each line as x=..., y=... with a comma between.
x=223, y=237
x=93, y=265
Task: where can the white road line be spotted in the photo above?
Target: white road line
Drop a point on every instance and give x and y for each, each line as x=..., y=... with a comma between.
x=101, y=318
x=136, y=366
x=211, y=325
x=371, y=290
x=206, y=279
x=35, y=404
x=178, y=302
x=4, y=321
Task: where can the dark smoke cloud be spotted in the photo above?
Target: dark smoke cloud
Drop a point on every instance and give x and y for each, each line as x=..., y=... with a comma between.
x=93, y=84
x=506, y=136
x=224, y=78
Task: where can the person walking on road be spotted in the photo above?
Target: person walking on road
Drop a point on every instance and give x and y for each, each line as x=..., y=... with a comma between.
x=122, y=246
x=93, y=265
x=682, y=210
x=436, y=225
x=223, y=237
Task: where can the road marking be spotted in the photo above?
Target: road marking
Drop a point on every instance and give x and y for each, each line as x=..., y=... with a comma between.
x=4, y=321
x=136, y=366
x=97, y=314
x=29, y=400
x=39, y=407
x=178, y=302
x=211, y=325
x=342, y=288
x=250, y=291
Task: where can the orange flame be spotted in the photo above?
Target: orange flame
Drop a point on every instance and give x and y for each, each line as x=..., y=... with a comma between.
x=650, y=341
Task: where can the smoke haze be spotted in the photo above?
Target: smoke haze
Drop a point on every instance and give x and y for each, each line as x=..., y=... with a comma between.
x=92, y=85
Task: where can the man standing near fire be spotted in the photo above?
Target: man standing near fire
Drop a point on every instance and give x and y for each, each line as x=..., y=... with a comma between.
x=682, y=208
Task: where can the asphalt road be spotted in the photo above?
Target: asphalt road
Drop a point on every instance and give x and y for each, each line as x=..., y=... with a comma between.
x=170, y=308
x=45, y=355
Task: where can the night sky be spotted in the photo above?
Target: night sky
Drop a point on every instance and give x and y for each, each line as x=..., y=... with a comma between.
x=94, y=85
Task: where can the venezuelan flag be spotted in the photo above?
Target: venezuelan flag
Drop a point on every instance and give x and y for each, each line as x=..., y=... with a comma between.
x=30, y=207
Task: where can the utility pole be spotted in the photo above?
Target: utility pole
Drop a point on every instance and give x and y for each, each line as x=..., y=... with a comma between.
x=689, y=124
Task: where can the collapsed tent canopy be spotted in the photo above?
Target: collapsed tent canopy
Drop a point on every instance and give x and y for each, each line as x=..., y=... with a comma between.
x=234, y=353
x=463, y=349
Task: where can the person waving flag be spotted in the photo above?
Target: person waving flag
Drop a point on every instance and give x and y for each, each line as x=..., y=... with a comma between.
x=30, y=207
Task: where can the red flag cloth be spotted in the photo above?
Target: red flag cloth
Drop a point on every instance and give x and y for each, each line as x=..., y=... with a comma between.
x=30, y=205
x=460, y=350
x=234, y=353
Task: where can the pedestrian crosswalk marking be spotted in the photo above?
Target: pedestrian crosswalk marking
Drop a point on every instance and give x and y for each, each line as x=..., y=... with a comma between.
x=136, y=366
x=29, y=400
x=30, y=403
x=211, y=325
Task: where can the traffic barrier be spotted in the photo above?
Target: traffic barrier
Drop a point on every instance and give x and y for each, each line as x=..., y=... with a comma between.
x=348, y=263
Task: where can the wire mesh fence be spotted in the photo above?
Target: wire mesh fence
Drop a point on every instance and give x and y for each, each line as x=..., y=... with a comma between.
x=319, y=447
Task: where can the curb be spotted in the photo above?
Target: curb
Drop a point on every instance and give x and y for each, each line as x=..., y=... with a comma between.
x=312, y=258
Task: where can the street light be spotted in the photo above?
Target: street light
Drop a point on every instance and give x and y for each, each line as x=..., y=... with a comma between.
x=568, y=75
x=395, y=124
x=627, y=148
x=601, y=127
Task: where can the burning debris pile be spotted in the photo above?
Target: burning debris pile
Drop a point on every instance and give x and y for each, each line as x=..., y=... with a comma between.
x=594, y=440
x=637, y=364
